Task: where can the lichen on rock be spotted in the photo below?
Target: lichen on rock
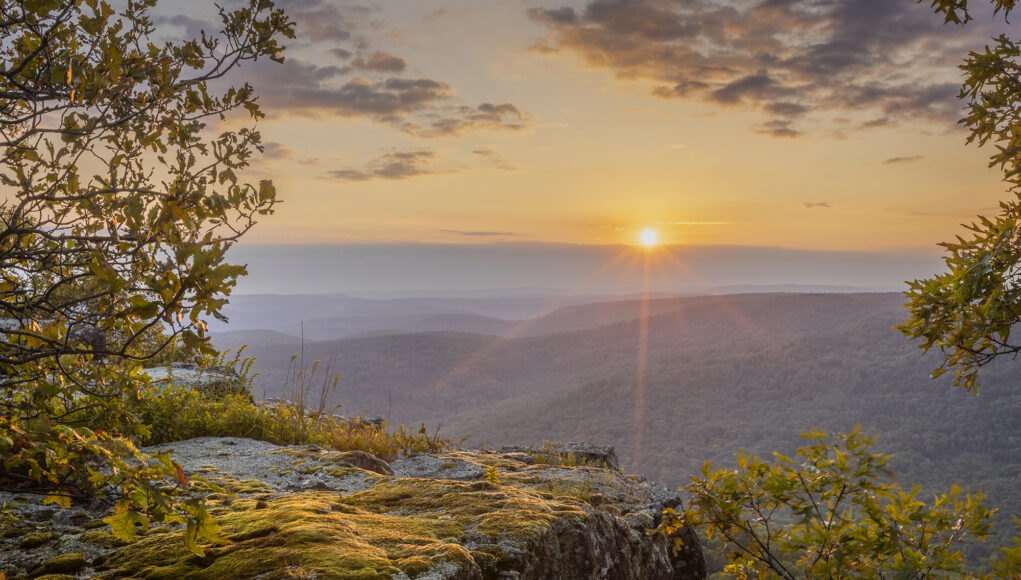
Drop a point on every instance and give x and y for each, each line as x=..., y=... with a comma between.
x=308, y=512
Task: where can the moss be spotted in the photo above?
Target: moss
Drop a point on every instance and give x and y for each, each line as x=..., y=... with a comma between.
x=62, y=564
x=248, y=486
x=398, y=525
x=36, y=540
x=91, y=525
x=102, y=539
x=55, y=577
x=11, y=529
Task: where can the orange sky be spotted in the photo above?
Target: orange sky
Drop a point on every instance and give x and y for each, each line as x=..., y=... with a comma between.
x=466, y=121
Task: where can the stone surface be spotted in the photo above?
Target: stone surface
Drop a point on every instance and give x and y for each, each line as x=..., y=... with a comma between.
x=365, y=461
x=305, y=511
x=213, y=383
x=293, y=468
x=573, y=453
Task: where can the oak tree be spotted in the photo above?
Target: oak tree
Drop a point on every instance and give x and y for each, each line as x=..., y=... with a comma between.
x=120, y=192
x=969, y=311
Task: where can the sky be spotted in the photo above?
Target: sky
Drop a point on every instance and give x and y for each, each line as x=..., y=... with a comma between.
x=813, y=125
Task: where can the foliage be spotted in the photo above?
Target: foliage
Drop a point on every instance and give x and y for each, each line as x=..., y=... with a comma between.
x=833, y=513
x=118, y=204
x=968, y=311
x=307, y=405
x=176, y=413
x=492, y=474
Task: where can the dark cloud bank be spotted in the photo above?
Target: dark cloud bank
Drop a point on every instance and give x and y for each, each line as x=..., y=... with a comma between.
x=364, y=82
x=878, y=60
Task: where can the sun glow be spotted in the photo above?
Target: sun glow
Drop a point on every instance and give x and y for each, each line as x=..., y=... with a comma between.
x=649, y=237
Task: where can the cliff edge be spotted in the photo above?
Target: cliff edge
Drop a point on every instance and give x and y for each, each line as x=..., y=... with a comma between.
x=311, y=512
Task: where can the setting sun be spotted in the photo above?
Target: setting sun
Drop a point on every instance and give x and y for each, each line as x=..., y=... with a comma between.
x=649, y=237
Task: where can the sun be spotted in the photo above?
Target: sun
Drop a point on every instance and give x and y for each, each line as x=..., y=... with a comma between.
x=649, y=237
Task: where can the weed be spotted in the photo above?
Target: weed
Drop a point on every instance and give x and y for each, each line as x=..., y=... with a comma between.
x=493, y=474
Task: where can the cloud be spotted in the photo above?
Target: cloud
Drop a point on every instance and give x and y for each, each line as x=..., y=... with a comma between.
x=365, y=83
x=422, y=107
x=817, y=204
x=325, y=21
x=478, y=234
x=301, y=87
x=341, y=53
x=495, y=159
x=193, y=27
x=700, y=223
x=790, y=59
x=394, y=166
x=910, y=159
x=778, y=128
x=273, y=151
x=380, y=62
x=454, y=122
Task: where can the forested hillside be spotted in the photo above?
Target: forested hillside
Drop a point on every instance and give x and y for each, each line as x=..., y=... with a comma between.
x=723, y=373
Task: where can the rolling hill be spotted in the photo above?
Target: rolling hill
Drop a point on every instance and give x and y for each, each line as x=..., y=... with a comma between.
x=722, y=373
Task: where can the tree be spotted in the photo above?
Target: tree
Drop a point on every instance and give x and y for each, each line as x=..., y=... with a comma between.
x=969, y=311
x=832, y=513
x=120, y=198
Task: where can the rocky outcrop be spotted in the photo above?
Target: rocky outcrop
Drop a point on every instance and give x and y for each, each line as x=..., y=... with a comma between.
x=316, y=513
x=565, y=454
x=214, y=383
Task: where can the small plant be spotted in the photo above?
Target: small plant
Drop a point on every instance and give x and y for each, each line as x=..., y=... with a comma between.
x=176, y=412
x=832, y=513
x=493, y=474
x=582, y=490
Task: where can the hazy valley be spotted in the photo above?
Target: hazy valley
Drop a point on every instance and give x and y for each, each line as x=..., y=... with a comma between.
x=747, y=371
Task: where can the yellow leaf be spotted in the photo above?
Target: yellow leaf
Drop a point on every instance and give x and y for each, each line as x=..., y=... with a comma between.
x=61, y=499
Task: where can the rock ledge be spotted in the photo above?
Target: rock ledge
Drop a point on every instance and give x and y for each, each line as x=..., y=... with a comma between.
x=311, y=512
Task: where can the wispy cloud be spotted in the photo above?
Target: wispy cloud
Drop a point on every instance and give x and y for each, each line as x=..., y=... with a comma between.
x=698, y=223
x=380, y=62
x=878, y=59
x=454, y=122
x=478, y=234
x=273, y=151
x=494, y=159
x=817, y=204
x=910, y=159
x=393, y=166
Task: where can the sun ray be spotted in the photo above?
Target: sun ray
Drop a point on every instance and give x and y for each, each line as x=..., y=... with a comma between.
x=553, y=303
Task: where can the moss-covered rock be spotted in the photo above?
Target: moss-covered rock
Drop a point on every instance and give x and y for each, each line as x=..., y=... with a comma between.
x=103, y=539
x=317, y=532
x=36, y=540
x=62, y=564
x=454, y=516
x=528, y=524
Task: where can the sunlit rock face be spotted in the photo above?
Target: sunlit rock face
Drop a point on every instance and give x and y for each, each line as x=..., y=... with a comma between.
x=306, y=511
